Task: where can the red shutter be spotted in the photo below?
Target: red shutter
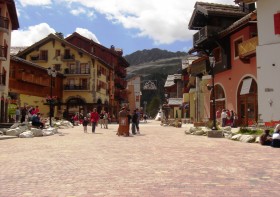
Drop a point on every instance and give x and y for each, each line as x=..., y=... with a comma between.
x=277, y=23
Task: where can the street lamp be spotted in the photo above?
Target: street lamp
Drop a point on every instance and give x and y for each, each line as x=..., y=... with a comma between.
x=212, y=65
x=52, y=73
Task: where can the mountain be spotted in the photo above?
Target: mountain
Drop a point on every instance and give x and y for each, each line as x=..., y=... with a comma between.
x=154, y=65
x=155, y=54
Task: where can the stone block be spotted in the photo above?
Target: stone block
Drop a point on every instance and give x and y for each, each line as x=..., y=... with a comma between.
x=215, y=134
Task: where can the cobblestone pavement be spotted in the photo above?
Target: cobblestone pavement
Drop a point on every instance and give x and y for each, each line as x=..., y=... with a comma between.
x=162, y=161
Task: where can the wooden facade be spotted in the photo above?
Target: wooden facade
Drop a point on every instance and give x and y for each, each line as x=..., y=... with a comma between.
x=29, y=84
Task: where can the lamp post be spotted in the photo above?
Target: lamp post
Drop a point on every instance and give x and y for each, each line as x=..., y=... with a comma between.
x=52, y=73
x=212, y=65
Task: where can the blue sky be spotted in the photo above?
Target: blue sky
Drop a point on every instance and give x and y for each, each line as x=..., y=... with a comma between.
x=128, y=24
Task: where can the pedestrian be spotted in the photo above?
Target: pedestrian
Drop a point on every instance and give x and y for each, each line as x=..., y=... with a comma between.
x=266, y=138
x=17, y=114
x=145, y=117
x=224, y=118
x=138, y=120
x=36, y=110
x=128, y=118
x=134, y=120
x=105, y=119
x=94, y=117
x=85, y=124
x=23, y=114
x=101, y=119
x=36, y=121
x=276, y=137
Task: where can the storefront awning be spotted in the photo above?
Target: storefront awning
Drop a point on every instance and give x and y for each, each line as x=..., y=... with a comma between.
x=246, y=85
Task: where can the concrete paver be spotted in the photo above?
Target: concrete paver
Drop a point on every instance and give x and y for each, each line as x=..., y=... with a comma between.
x=162, y=161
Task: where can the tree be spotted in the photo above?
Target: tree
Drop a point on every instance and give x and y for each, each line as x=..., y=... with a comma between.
x=153, y=106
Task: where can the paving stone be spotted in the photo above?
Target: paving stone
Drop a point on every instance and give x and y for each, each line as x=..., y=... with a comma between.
x=162, y=161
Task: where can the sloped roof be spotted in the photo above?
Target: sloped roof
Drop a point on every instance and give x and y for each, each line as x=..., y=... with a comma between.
x=51, y=37
x=175, y=101
x=169, y=81
x=244, y=20
x=13, y=13
x=214, y=9
x=115, y=51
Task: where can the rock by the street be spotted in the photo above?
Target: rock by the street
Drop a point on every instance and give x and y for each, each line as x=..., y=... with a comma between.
x=26, y=134
x=24, y=130
x=37, y=132
x=247, y=138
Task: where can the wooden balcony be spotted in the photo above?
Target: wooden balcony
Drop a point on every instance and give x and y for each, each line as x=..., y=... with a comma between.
x=204, y=33
x=247, y=48
x=4, y=24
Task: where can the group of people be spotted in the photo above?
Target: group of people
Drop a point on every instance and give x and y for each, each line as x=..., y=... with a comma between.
x=126, y=118
x=271, y=140
x=227, y=117
x=29, y=113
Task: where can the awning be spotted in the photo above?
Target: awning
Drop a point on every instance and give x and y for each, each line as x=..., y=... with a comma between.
x=246, y=85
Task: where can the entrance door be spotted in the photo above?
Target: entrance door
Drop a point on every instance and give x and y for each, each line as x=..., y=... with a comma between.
x=248, y=110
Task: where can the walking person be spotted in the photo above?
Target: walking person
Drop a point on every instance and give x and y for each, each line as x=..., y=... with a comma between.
x=138, y=120
x=134, y=120
x=17, y=114
x=224, y=118
x=94, y=117
x=101, y=119
x=85, y=124
x=23, y=114
x=105, y=119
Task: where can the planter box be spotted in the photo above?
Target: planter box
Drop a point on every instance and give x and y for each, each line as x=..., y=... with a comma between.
x=215, y=134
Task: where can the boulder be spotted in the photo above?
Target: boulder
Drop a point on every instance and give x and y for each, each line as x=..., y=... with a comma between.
x=14, y=132
x=247, y=138
x=26, y=134
x=199, y=132
x=37, y=132
x=236, y=137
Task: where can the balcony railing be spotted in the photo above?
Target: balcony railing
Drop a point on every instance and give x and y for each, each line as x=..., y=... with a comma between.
x=67, y=57
x=248, y=47
x=204, y=33
x=4, y=22
x=38, y=58
x=76, y=87
x=68, y=71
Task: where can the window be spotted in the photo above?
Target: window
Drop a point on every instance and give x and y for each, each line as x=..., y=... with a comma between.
x=57, y=52
x=84, y=68
x=72, y=68
x=236, y=49
x=44, y=55
x=217, y=54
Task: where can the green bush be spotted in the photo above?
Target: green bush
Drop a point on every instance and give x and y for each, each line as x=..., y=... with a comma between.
x=248, y=131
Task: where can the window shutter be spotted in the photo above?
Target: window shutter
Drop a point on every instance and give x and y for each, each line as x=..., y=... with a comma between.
x=277, y=23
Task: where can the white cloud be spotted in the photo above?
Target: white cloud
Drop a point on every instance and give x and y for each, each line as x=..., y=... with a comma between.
x=78, y=11
x=31, y=35
x=164, y=21
x=35, y=2
x=86, y=33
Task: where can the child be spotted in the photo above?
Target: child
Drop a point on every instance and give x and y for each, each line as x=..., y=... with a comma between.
x=85, y=123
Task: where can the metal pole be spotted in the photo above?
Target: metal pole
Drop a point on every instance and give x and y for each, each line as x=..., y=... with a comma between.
x=214, y=101
x=51, y=103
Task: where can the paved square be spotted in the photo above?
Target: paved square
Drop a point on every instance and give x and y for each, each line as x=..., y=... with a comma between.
x=162, y=161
